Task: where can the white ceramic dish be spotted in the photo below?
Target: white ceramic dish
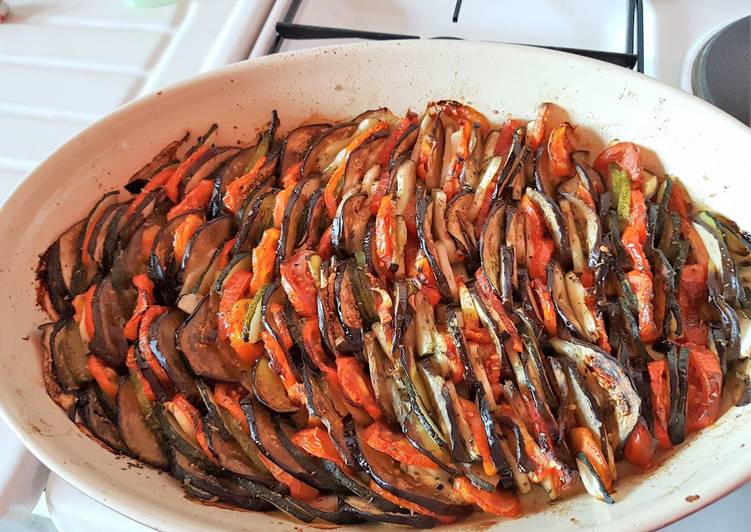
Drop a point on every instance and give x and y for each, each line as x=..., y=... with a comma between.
x=705, y=147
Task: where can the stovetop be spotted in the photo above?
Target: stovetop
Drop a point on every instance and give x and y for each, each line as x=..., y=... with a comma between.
x=98, y=55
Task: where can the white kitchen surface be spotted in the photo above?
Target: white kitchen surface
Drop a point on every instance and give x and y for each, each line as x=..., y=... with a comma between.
x=65, y=63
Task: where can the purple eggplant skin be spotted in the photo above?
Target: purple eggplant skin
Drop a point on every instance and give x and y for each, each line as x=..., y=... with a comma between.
x=163, y=159
x=492, y=432
x=553, y=218
x=288, y=238
x=221, y=488
x=94, y=417
x=51, y=282
x=266, y=439
x=347, y=311
x=361, y=509
x=457, y=336
x=490, y=242
x=424, y=234
x=256, y=219
x=197, y=339
x=293, y=324
x=69, y=355
x=350, y=224
x=83, y=276
x=65, y=400
x=162, y=342
x=128, y=261
x=726, y=331
x=320, y=406
x=677, y=358
x=518, y=156
x=404, y=145
x=461, y=230
x=622, y=398
x=315, y=221
x=388, y=476
x=520, y=453
x=321, y=152
x=207, y=239
x=111, y=311
x=155, y=202
x=135, y=432
x=228, y=172
x=111, y=240
x=324, y=481
x=96, y=248
x=593, y=229
x=268, y=388
x=297, y=143
x=162, y=392
x=275, y=293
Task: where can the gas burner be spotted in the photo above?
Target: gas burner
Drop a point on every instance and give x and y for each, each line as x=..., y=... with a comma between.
x=722, y=70
x=633, y=57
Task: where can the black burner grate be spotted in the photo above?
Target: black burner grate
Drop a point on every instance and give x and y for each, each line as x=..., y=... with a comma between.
x=632, y=57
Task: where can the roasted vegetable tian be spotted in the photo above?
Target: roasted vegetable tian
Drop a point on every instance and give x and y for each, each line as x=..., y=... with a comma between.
x=397, y=319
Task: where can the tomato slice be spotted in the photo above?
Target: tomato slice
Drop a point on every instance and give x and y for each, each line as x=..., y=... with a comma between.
x=132, y=365
x=385, y=233
x=659, y=384
x=545, y=300
x=356, y=386
x=189, y=420
x=84, y=316
x=104, y=376
x=297, y=282
x=638, y=215
x=228, y=397
x=536, y=129
x=246, y=351
x=476, y=425
x=263, y=259
x=539, y=247
x=626, y=156
x=495, y=305
x=197, y=198
x=497, y=503
x=641, y=285
x=409, y=505
x=144, y=299
x=280, y=205
x=633, y=247
x=704, y=388
x=692, y=294
x=279, y=361
x=560, y=150
x=583, y=440
x=239, y=188
x=144, y=344
x=680, y=201
x=171, y=186
x=640, y=447
x=317, y=442
x=333, y=188
x=425, y=279
x=298, y=490
x=235, y=288
x=396, y=445
x=325, y=248
x=183, y=234
x=311, y=337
